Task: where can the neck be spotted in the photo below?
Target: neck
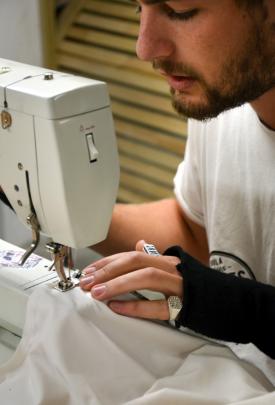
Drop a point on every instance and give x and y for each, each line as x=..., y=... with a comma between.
x=265, y=108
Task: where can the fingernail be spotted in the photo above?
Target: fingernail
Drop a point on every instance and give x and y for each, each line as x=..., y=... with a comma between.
x=87, y=280
x=88, y=270
x=98, y=290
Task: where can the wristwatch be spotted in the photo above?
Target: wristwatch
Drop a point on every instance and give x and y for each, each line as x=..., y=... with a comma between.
x=175, y=306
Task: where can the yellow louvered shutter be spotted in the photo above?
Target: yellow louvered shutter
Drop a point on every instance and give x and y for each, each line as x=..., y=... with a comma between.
x=97, y=39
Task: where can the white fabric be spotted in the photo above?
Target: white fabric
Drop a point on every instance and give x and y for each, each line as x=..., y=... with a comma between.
x=75, y=351
x=227, y=184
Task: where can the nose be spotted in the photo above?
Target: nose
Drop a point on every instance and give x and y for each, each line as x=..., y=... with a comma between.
x=154, y=39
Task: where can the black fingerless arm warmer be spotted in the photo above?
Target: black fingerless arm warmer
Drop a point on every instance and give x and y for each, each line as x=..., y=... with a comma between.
x=225, y=307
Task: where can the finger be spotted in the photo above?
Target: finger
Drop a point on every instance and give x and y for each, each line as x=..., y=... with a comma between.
x=97, y=265
x=140, y=245
x=109, y=259
x=141, y=309
x=148, y=278
x=131, y=261
x=127, y=263
x=103, y=261
x=88, y=270
x=112, y=266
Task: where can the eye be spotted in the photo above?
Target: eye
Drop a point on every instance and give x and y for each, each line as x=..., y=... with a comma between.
x=171, y=12
x=180, y=15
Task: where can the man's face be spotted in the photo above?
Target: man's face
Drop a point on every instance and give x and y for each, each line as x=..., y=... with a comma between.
x=214, y=55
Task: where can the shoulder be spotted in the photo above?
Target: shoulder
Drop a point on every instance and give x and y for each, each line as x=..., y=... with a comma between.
x=229, y=120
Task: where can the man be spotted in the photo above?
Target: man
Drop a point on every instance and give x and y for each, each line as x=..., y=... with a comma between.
x=216, y=55
x=219, y=60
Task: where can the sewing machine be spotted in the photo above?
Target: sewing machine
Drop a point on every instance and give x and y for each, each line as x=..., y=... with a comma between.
x=59, y=169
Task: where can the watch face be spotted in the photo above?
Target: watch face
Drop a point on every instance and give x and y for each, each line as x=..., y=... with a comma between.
x=175, y=302
x=175, y=306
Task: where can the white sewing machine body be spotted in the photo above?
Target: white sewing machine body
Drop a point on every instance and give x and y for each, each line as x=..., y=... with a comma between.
x=16, y=285
x=58, y=160
x=59, y=152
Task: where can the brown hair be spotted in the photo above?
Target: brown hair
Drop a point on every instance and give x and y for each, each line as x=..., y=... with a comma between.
x=252, y=5
x=247, y=3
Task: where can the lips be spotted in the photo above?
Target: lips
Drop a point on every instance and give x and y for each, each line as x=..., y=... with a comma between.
x=180, y=83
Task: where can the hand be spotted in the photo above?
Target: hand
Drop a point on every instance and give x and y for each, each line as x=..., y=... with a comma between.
x=130, y=271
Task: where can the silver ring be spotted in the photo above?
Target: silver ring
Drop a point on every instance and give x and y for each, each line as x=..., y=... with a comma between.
x=174, y=305
x=150, y=249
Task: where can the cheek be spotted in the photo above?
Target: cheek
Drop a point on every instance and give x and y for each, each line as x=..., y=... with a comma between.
x=207, y=50
x=221, y=42
x=201, y=52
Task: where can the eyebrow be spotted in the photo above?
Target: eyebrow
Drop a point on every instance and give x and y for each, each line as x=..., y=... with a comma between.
x=151, y=1
x=154, y=1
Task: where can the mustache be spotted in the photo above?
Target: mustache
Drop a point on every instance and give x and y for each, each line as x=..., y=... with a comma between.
x=174, y=69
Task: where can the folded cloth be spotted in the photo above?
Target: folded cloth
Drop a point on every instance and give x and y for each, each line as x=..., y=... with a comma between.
x=76, y=351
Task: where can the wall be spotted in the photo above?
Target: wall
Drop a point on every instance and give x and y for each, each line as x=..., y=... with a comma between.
x=20, y=31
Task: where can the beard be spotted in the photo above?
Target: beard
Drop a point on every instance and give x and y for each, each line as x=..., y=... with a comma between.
x=247, y=75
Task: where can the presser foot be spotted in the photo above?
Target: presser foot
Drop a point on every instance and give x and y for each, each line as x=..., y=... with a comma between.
x=64, y=286
x=59, y=253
